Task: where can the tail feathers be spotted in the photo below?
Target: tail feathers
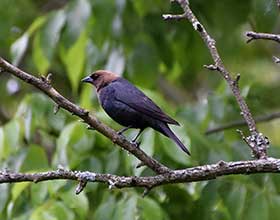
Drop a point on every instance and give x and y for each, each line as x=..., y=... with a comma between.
x=167, y=132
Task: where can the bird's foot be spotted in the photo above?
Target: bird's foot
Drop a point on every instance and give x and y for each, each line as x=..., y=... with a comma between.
x=136, y=144
x=121, y=134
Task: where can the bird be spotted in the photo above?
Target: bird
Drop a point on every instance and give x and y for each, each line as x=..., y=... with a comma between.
x=130, y=107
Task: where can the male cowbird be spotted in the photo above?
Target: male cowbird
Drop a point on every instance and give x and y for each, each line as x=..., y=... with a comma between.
x=130, y=107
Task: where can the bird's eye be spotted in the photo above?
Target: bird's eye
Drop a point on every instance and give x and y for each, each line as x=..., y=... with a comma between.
x=94, y=76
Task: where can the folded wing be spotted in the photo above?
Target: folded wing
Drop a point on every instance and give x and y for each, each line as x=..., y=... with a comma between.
x=128, y=94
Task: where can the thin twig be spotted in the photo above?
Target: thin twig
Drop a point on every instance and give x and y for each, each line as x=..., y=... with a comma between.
x=43, y=84
x=173, y=17
x=235, y=124
x=264, y=36
x=233, y=83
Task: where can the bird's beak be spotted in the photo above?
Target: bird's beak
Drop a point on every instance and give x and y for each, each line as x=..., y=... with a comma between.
x=87, y=79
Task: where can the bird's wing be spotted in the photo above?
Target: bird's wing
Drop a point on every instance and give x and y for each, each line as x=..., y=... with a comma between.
x=130, y=95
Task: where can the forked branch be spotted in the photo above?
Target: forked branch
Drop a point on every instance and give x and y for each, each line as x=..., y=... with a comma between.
x=260, y=146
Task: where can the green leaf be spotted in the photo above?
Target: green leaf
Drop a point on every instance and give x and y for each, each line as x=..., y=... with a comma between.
x=116, y=61
x=199, y=141
x=264, y=14
x=73, y=145
x=245, y=91
x=258, y=207
x=274, y=204
x=39, y=193
x=55, y=186
x=126, y=208
x=78, y=13
x=112, y=161
x=39, y=57
x=10, y=207
x=24, y=113
x=148, y=142
x=46, y=40
x=149, y=209
x=27, y=124
x=18, y=189
x=106, y=208
x=143, y=7
x=235, y=201
x=12, y=134
x=130, y=208
x=36, y=159
x=216, y=106
x=37, y=23
x=77, y=203
x=2, y=142
x=143, y=64
x=4, y=192
x=86, y=97
x=52, y=210
x=18, y=48
x=93, y=56
x=25, y=216
x=62, y=142
x=74, y=60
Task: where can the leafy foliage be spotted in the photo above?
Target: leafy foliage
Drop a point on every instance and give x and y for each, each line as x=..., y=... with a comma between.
x=73, y=38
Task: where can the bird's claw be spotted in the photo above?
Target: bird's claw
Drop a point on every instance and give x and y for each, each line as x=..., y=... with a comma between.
x=119, y=133
x=136, y=144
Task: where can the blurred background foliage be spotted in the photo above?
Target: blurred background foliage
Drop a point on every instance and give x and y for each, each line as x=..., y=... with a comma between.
x=70, y=39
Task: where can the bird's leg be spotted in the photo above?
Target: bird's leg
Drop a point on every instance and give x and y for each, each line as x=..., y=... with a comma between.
x=120, y=132
x=135, y=138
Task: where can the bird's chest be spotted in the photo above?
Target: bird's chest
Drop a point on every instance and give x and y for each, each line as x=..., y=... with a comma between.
x=107, y=99
x=111, y=105
x=119, y=111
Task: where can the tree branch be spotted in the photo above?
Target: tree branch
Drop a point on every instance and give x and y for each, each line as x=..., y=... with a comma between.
x=234, y=124
x=194, y=174
x=256, y=141
x=44, y=84
x=265, y=36
x=259, y=147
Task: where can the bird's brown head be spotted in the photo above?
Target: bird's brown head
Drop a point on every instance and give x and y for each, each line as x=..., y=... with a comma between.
x=100, y=78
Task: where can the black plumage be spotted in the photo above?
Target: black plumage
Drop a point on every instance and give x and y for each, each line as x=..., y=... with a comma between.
x=129, y=106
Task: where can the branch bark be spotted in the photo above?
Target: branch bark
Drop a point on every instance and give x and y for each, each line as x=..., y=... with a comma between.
x=264, y=36
x=44, y=84
x=194, y=174
x=256, y=141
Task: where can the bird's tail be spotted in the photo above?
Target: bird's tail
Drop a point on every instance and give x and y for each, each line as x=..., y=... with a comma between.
x=169, y=133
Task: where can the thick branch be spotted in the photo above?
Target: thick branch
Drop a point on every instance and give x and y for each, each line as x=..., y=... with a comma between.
x=234, y=124
x=200, y=173
x=260, y=147
x=44, y=85
x=265, y=36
